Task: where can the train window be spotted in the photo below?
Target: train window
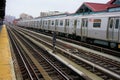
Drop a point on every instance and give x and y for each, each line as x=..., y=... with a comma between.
x=43, y=23
x=61, y=22
x=37, y=23
x=52, y=22
x=78, y=22
x=97, y=23
x=84, y=22
x=117, y=23
x=66, y=22
x=46, y=22
x=56, y=22
x=40, y=23
x=111, y=23
x=75, y=22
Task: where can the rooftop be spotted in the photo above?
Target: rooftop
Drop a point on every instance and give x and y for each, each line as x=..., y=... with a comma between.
x=98, y=7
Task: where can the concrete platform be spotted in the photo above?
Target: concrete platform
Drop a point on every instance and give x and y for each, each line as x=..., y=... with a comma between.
x=6, y=64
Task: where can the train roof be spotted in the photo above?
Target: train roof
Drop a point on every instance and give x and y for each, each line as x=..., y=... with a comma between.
x=104, y=14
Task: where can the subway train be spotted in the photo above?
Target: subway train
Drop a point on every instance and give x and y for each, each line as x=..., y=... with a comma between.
x=99, y=28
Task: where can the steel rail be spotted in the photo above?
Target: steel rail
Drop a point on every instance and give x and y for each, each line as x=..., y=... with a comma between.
x=99, y=67
x=19, y=52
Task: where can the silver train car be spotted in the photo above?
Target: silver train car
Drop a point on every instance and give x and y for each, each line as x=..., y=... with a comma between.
x=99, y=28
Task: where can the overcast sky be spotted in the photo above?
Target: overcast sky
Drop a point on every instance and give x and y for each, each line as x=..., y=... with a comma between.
x=34, y=7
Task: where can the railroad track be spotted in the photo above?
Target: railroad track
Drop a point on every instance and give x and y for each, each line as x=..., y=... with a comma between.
x=88, y=45
x=93, y=47
x=25, y=65
x=106, y=65
x=55, y=69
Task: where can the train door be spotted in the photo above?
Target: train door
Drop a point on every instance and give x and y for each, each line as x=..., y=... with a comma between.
x=40, y=24
x=84, y=27
x=65, y=25
x=37, y=24
x=48, y=24
x=75, y=26
x=113, y=29
x=43, y=24
x=56, y=24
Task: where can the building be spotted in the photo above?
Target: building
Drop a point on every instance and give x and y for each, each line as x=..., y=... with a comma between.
x=24, y=16
x=9, y=19
x=87, y=7
x=50, y=13
x=90, y=8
